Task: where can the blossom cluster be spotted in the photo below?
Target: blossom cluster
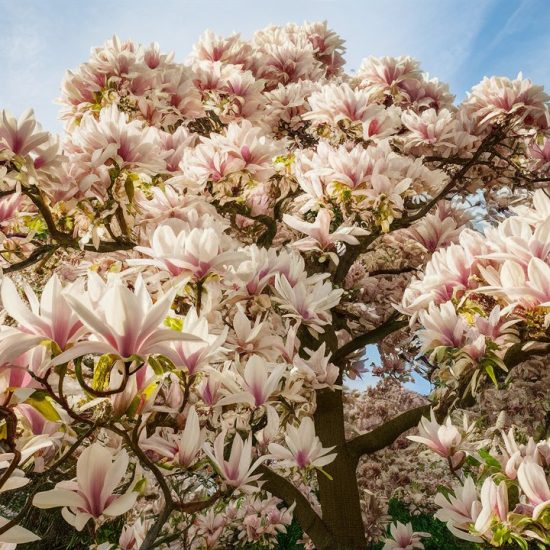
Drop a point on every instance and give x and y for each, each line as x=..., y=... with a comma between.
x=503, y=496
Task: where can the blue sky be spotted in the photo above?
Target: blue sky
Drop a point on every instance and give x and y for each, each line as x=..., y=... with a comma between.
x=458, y=41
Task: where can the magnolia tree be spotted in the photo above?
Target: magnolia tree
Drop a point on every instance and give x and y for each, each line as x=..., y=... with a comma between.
x=194, y=270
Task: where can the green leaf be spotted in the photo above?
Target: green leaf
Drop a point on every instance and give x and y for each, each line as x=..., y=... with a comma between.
x=100, y=381
x=174, y=323
x=489, y=369
x=41, y=402
x=139, y=487
x=129, y=188
x=488, y=459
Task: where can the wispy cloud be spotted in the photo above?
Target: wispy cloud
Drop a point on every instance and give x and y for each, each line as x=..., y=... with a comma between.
x=456, y=41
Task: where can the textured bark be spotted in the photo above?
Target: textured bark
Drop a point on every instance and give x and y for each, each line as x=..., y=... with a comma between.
x=339, y=497
x=305, y=515
x=387, y=433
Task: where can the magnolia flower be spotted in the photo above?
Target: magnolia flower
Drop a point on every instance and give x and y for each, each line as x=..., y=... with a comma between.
x=430, y=127
x=443, y=439
x=195, y=355
x=15, y=535
x=386, y=74
x=237, y=470
x=112, y=137
x=460, y=511
x=50, y=318
x=182, y=447
x=337, y=102
x=9, y=205
x=132, y=536
x=91, y=495
x=183, y=250
x=317, y=369
x=257, y=382
x=304, y=448
x=403, y=537
x=125, y=323
x=309, y=300
x=494, y=505
x=320, y=237
x=254, y=338
x=533, y=482
x=500, y=96
x=443, y=326
x=22, y=136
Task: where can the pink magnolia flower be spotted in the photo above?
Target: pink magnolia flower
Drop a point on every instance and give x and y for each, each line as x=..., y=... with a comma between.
x=112, y=137
x=22, y=136
x=386, y=74
x=183, y=250
x=257, y=383
x=443, y=439
x=501, y=96
x=50, y=318
x=320, y=237
x=9, y=206
x=336, y=102
x=179, y=447
x=309, y=300
x=533, y=482
x=132, y=536
x=253, y=338
x=303, y=448
x=238, y=470
x=443, y=326
x=403, y=537
x=194, y=356
x=210, y=526
x=460, y=511
x=92, y=494
x=231, y=49
x=317, y=369
x=433, y=232
x=430, y=127
x=494, y=505
x=123, y=322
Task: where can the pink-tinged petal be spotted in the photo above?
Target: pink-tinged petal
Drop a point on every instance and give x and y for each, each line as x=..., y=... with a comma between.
x=92, y=321
x=58, y=497
x=83, y=348
x=92, y=469
x=17, y=309
x=115, y=474
x=16, y=534
x=14, y=345
x=157, y=313
x=121, y=504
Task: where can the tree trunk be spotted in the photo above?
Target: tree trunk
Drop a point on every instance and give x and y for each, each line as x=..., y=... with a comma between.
x=339, y=497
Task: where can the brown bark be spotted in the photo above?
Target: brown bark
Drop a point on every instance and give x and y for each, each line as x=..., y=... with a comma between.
x=339, y=496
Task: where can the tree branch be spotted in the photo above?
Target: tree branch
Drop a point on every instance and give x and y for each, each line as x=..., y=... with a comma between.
x=387, y=433
x=371, y=337
x=489, y=141
x=309, y=520
x=35, y=256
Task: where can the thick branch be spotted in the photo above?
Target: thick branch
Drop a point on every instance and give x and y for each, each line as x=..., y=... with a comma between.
x=515, y=355
x=309, y=520
x=35, y=256
x=385, y=435
x=371, y=337
x=389, y=271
